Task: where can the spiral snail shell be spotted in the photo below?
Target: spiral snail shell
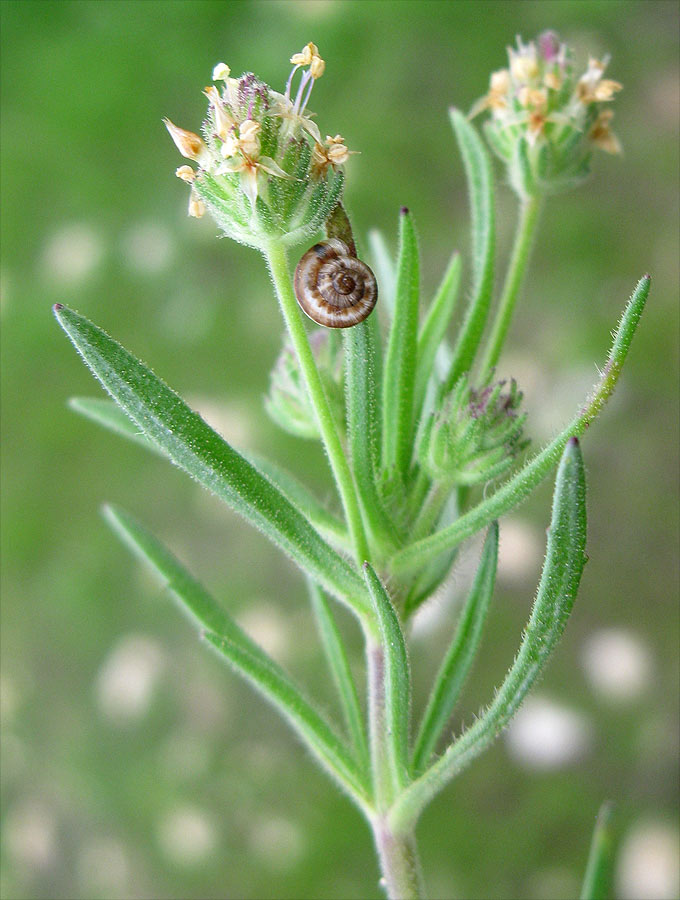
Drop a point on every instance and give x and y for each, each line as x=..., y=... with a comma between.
x=333, y=287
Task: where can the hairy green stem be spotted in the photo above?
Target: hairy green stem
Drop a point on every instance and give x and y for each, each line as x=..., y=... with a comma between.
x=399, y=862
x=275, y=255
x=528, y=218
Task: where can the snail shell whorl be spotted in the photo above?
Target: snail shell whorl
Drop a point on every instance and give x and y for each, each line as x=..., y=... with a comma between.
x=334, y=288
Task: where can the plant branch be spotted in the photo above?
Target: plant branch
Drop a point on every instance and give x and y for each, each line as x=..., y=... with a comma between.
x=529, y=212
x=275, y=255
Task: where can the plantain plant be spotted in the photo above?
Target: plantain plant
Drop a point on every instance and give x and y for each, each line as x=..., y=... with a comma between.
x=425, y=443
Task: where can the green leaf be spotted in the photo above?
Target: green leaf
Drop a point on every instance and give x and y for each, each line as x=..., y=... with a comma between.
x=110, y=416
x=390, y=690
x=276, y=687
x=434, y=327
x=560, y=578
x=341, y=674
x=430, y=577
x=385, y=270
x=480, y=186
x=460, y=655
x=247, y=659
x=301, y=497
x=400, y=361
x=192, y=445
x=364, y=427
x=517, y=488
x=596, y=882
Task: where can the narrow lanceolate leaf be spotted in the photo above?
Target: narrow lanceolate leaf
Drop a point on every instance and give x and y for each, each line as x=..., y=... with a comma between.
x=192, y=445
x=107, y=414
x=341, y=674
x=400, y=361
x=276, y=687
x=460, y=655
x=560, y=578
x=385, y=270
x=394, y=685
x=517, y=488
x=596, y=882
x=111, y=416
x=364, y=426
x=248, y=660
x=434, y=327
x=480, y=186
x=301, y=497
x=430, y=577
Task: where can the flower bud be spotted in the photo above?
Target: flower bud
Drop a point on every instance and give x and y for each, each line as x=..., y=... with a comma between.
x=545, y=118
x=264, y=174
x=476, y=434
x=288, y=402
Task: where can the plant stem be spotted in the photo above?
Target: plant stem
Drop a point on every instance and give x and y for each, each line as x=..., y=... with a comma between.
x=399, y=862
x=528, y=217
x=397, y=852
x=275, y=255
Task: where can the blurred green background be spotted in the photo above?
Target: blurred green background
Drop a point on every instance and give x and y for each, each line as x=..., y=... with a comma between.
x=134, y=764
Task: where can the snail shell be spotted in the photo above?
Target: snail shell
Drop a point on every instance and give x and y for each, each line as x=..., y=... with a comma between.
x=333, y=287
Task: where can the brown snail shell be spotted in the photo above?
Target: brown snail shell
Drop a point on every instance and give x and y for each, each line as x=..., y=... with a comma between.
x=333, y=287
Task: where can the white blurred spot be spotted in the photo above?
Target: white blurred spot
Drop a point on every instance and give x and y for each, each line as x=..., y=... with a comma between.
x=232, y=420
x=278, y=842
x=187, y=835
x=103, y=869
x=520, y=551
x=618, y=664
x=128, y=676
x=546, y=735
x=314, y=9
x=267, y=627
x=30, y=835
x=648, y=863
x=147, y=247
x=185, y=756
x=71, y=254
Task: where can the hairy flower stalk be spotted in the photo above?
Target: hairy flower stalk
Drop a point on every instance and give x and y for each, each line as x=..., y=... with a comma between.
x=545, y=121
x=415, y=429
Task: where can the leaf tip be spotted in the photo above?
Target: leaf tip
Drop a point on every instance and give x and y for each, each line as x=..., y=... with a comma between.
x=57, y=308
x=404, y=211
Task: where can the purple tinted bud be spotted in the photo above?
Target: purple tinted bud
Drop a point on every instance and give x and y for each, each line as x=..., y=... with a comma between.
x=549, y=45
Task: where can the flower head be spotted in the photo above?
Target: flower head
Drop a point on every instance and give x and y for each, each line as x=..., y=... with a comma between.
x=546, y=119
x=263, y=170
x=288, y=402
x=476, y=434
